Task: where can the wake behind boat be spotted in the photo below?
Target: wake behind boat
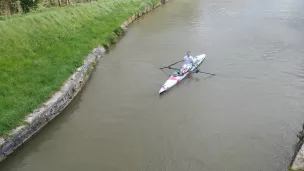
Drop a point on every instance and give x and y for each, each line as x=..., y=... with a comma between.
x=177, y=76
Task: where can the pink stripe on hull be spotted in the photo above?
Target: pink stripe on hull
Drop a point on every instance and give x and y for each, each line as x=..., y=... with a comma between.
x=173, y=78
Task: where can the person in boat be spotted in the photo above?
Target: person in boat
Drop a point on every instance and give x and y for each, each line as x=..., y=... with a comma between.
x=188, y=63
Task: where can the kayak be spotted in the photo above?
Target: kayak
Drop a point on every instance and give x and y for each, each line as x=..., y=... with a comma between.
x=176, y=77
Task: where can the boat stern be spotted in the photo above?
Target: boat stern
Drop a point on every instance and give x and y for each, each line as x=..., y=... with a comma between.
x=163, y=89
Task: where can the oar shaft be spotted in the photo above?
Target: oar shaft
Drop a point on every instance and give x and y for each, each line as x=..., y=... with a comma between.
x=206, y=73
x=171, y=65
x=197, y=71
x=176, y=63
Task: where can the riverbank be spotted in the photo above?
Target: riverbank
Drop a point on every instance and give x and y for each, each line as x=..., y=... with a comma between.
x=38, y=60
x=297, y=163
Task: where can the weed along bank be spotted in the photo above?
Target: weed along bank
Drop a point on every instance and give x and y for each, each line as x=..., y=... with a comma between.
x=47, y=57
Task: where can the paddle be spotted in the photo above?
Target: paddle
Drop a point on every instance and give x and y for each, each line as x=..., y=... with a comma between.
x=174, y=68
x=171, y=68
x=171, y=65
x=198, y=71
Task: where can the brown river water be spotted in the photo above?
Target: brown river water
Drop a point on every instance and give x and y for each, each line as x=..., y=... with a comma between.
x=243, y=119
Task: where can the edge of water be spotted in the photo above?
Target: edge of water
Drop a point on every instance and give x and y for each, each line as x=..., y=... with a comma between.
x=297, y=163
x=40, y=117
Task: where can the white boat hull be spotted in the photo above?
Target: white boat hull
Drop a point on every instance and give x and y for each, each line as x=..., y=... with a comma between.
x=174, y=79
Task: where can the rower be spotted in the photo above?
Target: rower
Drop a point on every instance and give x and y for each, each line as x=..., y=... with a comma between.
x=188, y=62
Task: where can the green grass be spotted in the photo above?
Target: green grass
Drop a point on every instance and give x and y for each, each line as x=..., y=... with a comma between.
x=40, y=50
x=290, y=169
x=295, y=170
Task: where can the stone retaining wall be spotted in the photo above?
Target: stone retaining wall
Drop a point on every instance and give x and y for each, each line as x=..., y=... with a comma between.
x=54, y=106
x=298, y=158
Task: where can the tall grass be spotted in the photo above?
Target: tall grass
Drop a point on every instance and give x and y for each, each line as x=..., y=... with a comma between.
x=39, y=51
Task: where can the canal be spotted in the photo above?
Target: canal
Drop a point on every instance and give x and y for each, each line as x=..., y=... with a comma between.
x=244, y=118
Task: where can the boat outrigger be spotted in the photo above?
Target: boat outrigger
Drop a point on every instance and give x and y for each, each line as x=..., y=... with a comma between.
x=178, y=75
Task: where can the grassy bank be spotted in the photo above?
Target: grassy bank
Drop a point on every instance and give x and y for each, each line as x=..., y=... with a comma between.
x=39, y=51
